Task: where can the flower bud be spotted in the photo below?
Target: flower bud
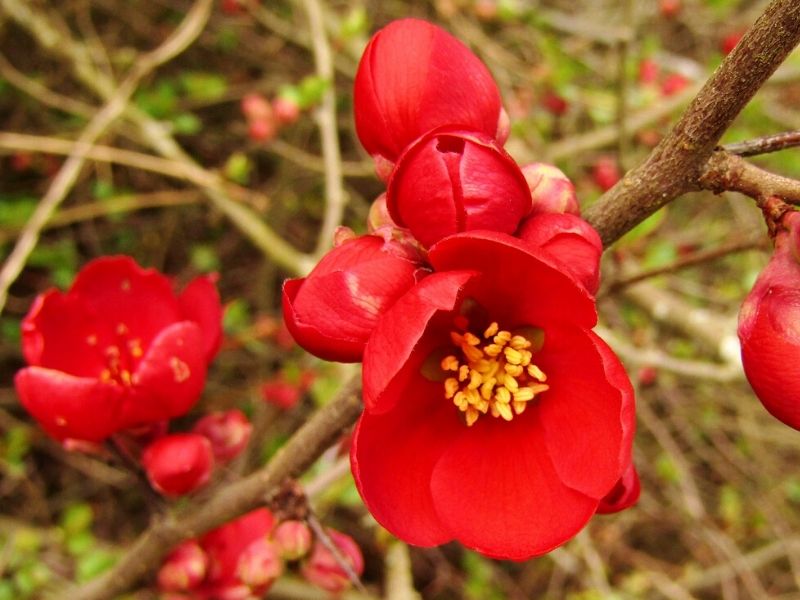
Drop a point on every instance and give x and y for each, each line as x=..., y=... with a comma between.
x=332, y=312
x=624, y=494
x=227, y=431
x=453, y=181
x=378, y=215
x=551, y=190
x=286, y=109
x=281, y=393
x=259, y=565
x=769, y=331
x=179, y=463
x=571, y=241
x=256, y=107
x=673, y=84
x=293, y=539
x=414, y=77
x=324, y=570
x=184, y=568
x=605, y=173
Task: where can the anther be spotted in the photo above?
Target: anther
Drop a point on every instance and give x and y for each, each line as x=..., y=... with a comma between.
x=536, y=373
x=449, y=363
x=491, y=330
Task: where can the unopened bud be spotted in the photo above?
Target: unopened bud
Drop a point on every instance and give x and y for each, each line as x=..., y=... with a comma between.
x=503, y=127
x=286, y=109
x=551, y=190
x=378, y=215
x=184, y=568
x=179, y=463
x=256, y=107
x=259, y=565
x=227, y=431
x=325, y=570
x=293, y=539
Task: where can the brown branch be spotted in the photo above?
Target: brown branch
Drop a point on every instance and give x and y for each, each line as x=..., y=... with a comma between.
x=676, y=164
x=764, y=145
x=145, y=554
x=729, y=172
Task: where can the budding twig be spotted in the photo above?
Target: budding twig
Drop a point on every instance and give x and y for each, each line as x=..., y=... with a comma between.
x=764, y=145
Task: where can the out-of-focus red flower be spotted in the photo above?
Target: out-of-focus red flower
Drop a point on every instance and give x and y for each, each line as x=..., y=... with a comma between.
x=554, y=103
x=281, y=393
x=605, y=173
x=184, y=568
x=226, y=544
x=648, y=71
x=324, y=570
x=414, y=77
x=293, y=539
x=730, y=41
x=569, y=241
x=673, y=84
x=551, y=190
x=451, y=181
x=624, y=494
x=647, y=375
x=21, y=161
x=768, y=328
x=261, y=130
x=179, y=463
x=232, y=7
x=493, y=415
x=227, y=431
x=332, y=312
x=119, y=349
x=255, y=107
x=670, y=8
x=286, y=109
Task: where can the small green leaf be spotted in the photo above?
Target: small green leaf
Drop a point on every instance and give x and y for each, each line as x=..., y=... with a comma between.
x=77, y=518
x=205, y=87
x=93, y=564
x=187, y=124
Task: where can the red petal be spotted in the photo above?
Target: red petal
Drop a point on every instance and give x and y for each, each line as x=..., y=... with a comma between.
x=495, y=489
x=169, y=378
x=393, y=455
x=414, y=77
x=580, y=413
x=624, y=494
x=115, y=290
x=70, y=407
x=516, y=282
x=200, y=303
x=58, y=334
x=179, y=463
x=225, y=544
x=396, y=350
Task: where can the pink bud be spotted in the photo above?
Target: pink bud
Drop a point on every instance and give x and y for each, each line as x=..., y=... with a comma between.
x=261, y=130
x=624, y=494
x=184, y=568
x=605, y=173
x=325, y=571
x=453, y=181
x=769, y=329
x=227, y=431
x=551, y=190
x=343, y=234
x=670, y=8
x=293, y=539
x=286, y=110
x=378, y=215
x=259, y=565
x=256, y=107
x=179, y=463
x=281, y=393
x=648, y=71
x=570, y=241
x=554, y=103
x=673, y=84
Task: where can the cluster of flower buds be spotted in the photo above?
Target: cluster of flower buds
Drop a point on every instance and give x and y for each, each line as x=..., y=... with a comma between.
x=265, y=118
x=242, y=559
x=120, y=354
x=470, y=303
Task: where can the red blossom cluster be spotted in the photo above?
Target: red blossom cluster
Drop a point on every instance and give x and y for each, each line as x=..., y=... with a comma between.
x=241, y=560
x=119, y=355
x=493, y=414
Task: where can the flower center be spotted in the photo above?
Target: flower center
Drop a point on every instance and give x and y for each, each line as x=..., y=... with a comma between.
x=121, y=357
x=493, y=376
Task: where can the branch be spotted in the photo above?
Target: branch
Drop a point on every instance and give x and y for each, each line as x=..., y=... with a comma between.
x=726, y=171
x=676, y=164
x=764, y=145
x=146, y=553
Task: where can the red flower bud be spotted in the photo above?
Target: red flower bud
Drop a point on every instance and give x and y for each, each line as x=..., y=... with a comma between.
x=730, y=41
x=226, y=544
x=554, y=103
x=259, y=565
x=256, y=107
x=605, y=173
x=414, y=77
x=648, y=71
x=261, y=130
x=769, y=331
x=670, y=8
x=378, y=215
x=179, y=463
x=570, y=241
x=184, y=568
x=324, y=570
x=227, y=431
x=624, y=494
x=281, y=393
x=551, y=190
x=286, y=110
x=293, y=539
x=453, y=181
x=673, y=84
x=332, y=312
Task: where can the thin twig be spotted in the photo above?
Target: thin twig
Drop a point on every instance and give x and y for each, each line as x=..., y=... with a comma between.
x=764, y=145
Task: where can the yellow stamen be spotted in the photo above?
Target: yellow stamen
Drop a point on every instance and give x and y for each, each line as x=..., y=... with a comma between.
x=449, y=363
x=491, y=330
x=536, y=373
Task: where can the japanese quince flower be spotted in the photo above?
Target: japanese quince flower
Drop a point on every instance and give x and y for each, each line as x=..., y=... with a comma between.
x=119, y=349
x=332, y=312
x=450, y=181
x=493, y=414
x=414, y=77
x=769, y=327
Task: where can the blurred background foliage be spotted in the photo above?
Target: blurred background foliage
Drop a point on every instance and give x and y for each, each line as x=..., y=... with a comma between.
x=719, y=515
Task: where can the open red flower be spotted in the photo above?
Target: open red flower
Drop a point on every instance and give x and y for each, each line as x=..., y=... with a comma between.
x=452, y=180
x=332, y=312
x=414, y=77
x=119, y=349
x=494, y=416
x=768, y=328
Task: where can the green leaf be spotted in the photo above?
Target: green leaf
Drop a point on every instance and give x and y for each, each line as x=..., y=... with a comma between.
x=77, y=518
x=93, y=564
x=238, y=167
x=202, y=86
x=187, y=124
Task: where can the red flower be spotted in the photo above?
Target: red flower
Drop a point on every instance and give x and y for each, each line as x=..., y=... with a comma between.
x=543, y=419
x=414, y=77
x=605, y=173
x=118, y=349
x=229, y=432
x=768, y=328
x=450, y=181
x=179, y=463
x=624, y=494
x=332, y=312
